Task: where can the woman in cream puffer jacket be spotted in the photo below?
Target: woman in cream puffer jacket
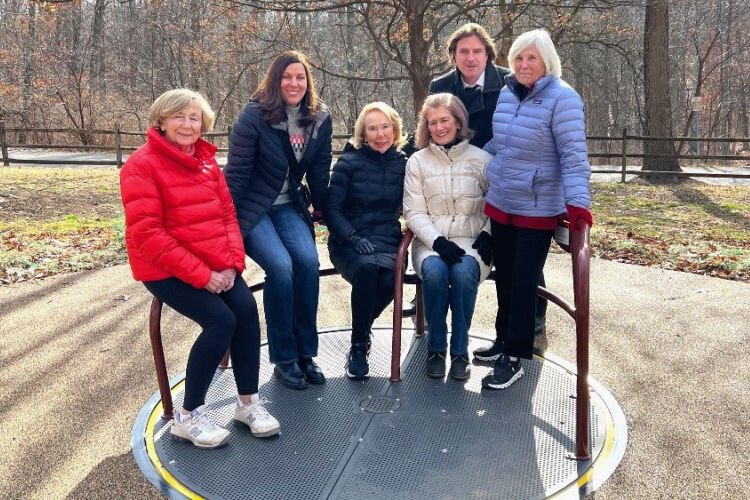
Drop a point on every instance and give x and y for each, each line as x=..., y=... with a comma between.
x=444, y=191
x=444, y=196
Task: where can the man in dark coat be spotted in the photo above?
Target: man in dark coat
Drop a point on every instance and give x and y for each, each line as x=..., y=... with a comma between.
x=474, y=79
x=477, y=81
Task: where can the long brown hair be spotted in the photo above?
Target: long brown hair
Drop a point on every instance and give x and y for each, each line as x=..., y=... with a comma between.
x=268, y=93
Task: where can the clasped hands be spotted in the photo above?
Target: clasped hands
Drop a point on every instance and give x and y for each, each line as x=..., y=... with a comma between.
x=361, y=245
x=221, y=281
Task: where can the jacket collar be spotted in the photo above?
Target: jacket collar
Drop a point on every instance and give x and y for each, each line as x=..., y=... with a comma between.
x=451, y=153
x=372, y=153
x=204, y=150
x=492, y=80
x=512, y=84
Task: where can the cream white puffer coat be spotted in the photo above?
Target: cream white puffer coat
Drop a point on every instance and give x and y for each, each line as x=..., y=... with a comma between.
x=444, y=194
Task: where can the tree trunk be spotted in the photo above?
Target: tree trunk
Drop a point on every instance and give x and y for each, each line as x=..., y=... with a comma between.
x=419, y=50
x=658, y=110
x=96, y=62
x=28, y=72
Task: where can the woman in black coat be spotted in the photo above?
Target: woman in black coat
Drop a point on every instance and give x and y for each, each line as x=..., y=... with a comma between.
x=362, y=213
x=282, y=136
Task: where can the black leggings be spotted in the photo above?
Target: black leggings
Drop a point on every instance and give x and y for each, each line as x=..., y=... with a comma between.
x=229, y=321
x=519, y=255
x=372, y=291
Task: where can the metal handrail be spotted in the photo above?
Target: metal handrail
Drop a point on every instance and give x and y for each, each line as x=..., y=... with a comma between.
x=580, y=255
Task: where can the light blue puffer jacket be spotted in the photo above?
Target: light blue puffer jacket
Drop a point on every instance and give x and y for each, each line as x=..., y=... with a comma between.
x=540, y=160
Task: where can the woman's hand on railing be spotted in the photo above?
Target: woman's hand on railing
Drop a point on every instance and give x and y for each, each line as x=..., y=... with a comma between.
x=578, y=213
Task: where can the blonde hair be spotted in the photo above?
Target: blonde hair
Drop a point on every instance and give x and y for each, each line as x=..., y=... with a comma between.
x=359, y=127
x=452, y=104
x=541, y=40
x=173, y=101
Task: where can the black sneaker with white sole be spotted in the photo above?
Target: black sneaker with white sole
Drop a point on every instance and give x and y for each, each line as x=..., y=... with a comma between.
x=490, y=353
x=357, y=367
x=503, y=374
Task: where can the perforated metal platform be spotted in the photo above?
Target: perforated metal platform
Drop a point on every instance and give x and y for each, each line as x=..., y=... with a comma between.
x=418, y=439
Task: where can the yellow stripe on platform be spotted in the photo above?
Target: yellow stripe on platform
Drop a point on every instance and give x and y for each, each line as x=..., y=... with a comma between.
x=151, y=450
x=609, y=444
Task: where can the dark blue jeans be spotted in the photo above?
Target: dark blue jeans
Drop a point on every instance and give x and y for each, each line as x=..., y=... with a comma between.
x=455, y=286
x=281, y=244
x=229, y=321
x=519, y=255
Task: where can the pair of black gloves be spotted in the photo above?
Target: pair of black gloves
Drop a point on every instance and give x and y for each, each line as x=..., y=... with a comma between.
x=451, y=253
x=446, y=249
x=361, y=245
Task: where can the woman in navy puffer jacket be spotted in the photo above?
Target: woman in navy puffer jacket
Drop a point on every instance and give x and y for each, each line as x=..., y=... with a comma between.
x=362, y=213
x=539, y=173
x=282, y=136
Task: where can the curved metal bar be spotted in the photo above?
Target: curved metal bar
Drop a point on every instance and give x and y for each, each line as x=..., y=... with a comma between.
x=398, y=297
x=154, y=329
x=562, y=303
x=581, y=256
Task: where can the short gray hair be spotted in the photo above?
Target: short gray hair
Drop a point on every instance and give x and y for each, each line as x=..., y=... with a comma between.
x=173, y=101
x=541, y=40
x=452, y=104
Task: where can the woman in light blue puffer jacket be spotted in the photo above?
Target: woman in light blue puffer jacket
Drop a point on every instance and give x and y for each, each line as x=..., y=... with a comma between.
x=539, y=174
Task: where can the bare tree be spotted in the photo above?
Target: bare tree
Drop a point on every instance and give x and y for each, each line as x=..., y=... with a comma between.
x=658, y=108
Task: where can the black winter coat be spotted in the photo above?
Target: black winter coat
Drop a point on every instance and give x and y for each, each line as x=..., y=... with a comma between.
x=365, y=198
x=257, y=166
x=480, y=108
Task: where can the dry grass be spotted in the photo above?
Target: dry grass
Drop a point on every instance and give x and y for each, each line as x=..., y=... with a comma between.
x=58, y=220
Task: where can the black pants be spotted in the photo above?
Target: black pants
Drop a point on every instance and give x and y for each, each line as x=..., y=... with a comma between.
x=229, y=321
x=541, y=302
x=372, y=291
x=519, y=255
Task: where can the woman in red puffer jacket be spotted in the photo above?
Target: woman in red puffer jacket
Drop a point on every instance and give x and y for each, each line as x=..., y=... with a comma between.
x=184, y=243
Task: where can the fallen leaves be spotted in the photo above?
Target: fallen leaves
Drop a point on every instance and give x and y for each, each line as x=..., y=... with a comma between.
x=29, y=255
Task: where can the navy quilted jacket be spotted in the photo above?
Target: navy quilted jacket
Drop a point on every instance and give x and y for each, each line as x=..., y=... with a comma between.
x=540, y=159
x=257, y=166
x=365, y=197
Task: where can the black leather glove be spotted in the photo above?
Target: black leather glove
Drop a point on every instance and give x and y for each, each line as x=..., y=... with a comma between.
x=447, y=250
x=361, y=245
x=483, y=246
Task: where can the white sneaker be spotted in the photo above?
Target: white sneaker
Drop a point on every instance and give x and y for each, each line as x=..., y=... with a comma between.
x=254, y=415
x=198, y=429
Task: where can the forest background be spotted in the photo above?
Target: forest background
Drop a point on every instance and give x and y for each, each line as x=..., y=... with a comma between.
x=654, y=67
x=92, y=64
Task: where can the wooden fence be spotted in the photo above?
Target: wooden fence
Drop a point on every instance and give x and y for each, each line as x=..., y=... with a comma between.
x=121, y=142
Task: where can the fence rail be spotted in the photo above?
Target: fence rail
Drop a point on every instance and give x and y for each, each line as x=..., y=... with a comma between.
x=625, y=141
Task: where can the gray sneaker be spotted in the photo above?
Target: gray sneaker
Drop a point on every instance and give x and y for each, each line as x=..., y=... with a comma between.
x=198, y=429
x=255, y=416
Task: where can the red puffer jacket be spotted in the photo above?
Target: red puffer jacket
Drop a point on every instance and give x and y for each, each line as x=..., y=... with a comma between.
x=179, y=217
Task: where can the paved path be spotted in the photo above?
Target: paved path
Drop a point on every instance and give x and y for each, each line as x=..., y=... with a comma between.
x=615, y=176
x=75, y=368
